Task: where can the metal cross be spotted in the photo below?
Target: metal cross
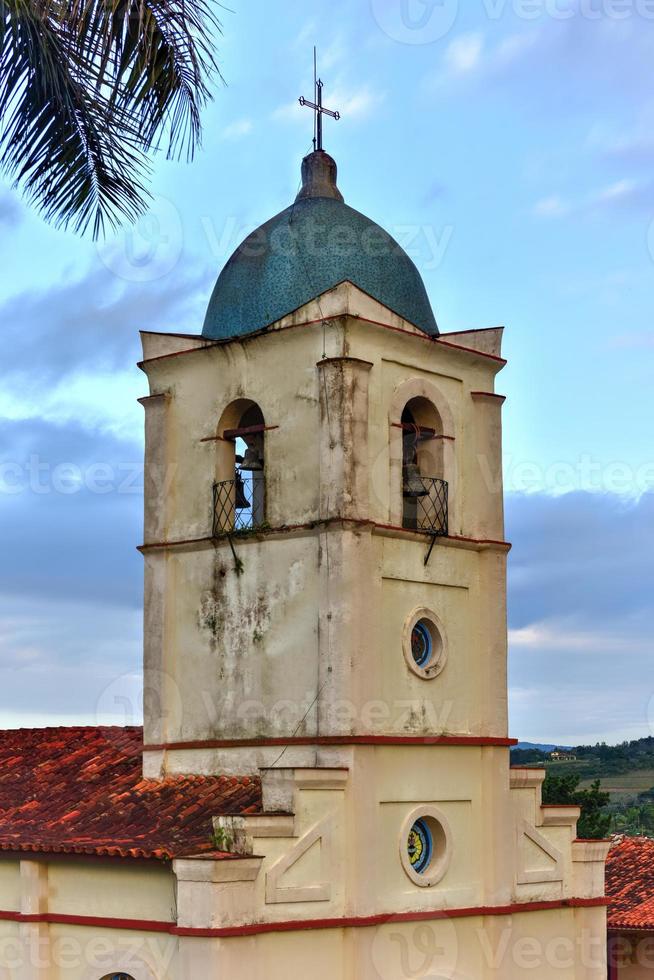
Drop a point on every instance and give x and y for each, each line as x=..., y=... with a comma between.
x=318, y=107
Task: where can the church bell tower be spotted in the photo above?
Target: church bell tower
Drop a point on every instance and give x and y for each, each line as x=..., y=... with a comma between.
x=325, y=613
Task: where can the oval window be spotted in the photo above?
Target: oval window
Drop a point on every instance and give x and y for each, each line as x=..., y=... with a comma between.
x=424, y=644
x=425, y=848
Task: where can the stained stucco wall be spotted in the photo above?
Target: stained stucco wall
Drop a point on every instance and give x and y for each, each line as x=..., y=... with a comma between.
x=315, y=612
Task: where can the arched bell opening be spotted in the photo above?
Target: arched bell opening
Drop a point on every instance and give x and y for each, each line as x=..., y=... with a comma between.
x=424, y=489
x=240, y=486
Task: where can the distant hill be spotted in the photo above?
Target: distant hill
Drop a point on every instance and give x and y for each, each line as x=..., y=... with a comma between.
x=625, y=772
x=599, y=761
x=542, y=747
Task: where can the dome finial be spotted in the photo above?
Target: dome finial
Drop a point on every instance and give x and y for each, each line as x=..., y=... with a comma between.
x=319, y=173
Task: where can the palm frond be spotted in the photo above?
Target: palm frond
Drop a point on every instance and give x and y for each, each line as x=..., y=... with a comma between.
x=156, y=57
x=87, y=87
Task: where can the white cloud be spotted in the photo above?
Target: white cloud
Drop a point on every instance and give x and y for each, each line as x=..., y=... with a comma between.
x=238, y=129
x=71, y=349
x=464, y=54
x=332, y=55
x=514, y=47
x=550, y=207
x=553, y=635
x=61, y=661
x=580, y=609
x=356, y=103
x=352, y=102
x=287, y=112
x=625, y=193
x=469, y=56
x=619, y=191
x=306, y=35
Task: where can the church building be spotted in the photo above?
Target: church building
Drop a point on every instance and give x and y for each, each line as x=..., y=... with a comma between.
x=322, y=785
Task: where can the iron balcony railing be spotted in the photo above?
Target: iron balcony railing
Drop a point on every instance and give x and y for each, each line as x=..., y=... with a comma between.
x=238, y=505
x=428, y=512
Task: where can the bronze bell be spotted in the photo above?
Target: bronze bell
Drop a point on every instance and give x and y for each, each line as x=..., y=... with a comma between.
x=241, y=502
x=252, y=459
x=413, y=485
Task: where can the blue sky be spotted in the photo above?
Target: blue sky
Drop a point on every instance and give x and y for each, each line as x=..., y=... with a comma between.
x=510, y=147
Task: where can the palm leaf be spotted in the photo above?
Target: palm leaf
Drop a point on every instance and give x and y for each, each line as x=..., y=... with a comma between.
x=87, y=87
x=156, y=56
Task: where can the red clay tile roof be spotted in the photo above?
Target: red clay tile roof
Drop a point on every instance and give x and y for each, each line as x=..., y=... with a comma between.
x=630, y=883
x=81, y=790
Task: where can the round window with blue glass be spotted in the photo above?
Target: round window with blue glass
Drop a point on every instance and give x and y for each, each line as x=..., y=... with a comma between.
x=424, y=646
x=421, y=644
x=425, y=848
x=419, y=846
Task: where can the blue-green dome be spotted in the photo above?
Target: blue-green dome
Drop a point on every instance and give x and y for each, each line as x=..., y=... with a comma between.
x=310, y=247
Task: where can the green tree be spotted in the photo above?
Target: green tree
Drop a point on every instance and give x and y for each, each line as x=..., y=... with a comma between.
x=634, y=820
x=87, y=88
x=563, y=789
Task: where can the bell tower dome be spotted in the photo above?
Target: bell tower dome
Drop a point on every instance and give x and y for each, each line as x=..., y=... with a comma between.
x=311, y=246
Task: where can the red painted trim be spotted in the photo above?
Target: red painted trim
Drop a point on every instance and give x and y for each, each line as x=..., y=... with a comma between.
x=176, y=353
x=430, y=339
x=430, y=740
x=198, y=336
x=363, y=922
x=289, y=528
x=471, y=350
x=615, y=929
x=98, y=922
x=300, y=925
x=338, y=360
x=450, y=537
x=231, y=434
x=448, y=333
x=423, y=431
x=488, y=394
x=309, y=323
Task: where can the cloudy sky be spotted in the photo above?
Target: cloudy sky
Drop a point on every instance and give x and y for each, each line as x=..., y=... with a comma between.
x=510, y=147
